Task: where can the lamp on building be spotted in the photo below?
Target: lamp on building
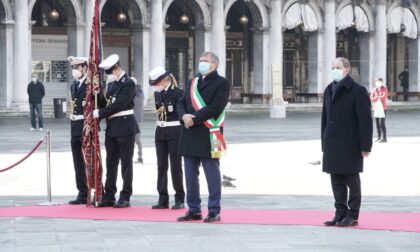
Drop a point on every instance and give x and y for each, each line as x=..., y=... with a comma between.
x=54, y=15
x=353, y=6
x=121, y=16
x=243, y=20
x=184, y=19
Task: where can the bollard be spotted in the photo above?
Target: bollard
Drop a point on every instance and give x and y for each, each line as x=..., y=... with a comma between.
x=48, y=151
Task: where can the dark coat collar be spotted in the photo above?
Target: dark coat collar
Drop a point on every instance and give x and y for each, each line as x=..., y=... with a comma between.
x=347, y=82
x=210, y=76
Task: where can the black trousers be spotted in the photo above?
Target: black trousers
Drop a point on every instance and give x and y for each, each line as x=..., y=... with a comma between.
x=119, y=148
x=380, y=127
x=347, y=194
x=79, y=167
x=405, y=92
x=166, y=141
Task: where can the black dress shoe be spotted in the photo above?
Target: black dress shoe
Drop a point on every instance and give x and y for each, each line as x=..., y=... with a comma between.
x=334, y=221
x=160, y=206
x=190, y=217
x=178, y=206
x=212, y=217
x=347, y=222
x=121, y=203
x=383, y=140
x=105, y=203
x=78, y=201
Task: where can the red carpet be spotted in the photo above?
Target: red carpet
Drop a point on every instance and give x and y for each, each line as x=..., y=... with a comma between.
x=408, y=222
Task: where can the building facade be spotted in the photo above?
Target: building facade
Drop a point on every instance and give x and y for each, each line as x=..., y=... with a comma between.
x=269, y=49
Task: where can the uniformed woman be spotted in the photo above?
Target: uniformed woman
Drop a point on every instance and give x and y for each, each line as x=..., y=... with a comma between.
x=167, y=96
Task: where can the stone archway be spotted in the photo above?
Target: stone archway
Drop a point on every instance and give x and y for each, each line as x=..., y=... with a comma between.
x=247, y=51
x=403, y=47
x=128, y=41
x=53, y=41
x=184, y=42
x=354, y=22
x=302, y=22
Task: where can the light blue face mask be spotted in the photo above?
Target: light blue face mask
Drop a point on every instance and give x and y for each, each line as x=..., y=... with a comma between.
x=204, y=67
x=337, y=74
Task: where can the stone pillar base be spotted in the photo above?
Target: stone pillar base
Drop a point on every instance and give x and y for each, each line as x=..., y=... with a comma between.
x=278, y=110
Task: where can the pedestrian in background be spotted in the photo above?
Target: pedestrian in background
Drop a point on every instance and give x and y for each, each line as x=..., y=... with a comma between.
x=138, y=114
x=378, y=96
x=167, y=96
x=403, y=77
x=346, y=133
x=36, y=93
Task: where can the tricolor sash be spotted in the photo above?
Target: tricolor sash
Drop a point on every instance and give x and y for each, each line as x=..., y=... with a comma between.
x=217, y=142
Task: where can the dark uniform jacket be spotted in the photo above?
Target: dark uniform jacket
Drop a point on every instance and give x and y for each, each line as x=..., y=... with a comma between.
x=346, y=127
x=121, y=94
x=36, y=92
x=214, y=90
x=169, y=99
x=78, y=96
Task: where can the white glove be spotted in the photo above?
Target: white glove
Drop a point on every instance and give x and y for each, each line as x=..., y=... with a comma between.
x=96, y=113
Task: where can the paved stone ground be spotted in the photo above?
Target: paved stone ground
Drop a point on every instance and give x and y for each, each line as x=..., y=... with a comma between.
x=242, y=132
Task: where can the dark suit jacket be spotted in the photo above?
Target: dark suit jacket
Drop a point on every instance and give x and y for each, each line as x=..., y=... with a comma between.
x=121, y=94
x=346, y=127
x=214, y=90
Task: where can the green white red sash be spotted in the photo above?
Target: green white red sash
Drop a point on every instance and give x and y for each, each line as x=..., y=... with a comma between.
x=217, y=142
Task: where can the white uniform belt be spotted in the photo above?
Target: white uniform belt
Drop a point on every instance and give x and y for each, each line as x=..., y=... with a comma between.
x=122, y=113
x=76, y=117
x=167, y=124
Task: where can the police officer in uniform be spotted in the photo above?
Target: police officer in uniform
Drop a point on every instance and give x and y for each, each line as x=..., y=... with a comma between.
x=120, y=132
x=78, y=95
x=167, y=96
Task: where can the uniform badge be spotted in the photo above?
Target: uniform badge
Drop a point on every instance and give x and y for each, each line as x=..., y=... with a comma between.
x=113, y=99
x=170, y=108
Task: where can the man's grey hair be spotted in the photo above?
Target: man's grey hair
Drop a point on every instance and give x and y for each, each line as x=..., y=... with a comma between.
x=213, y=57
x=346, y=62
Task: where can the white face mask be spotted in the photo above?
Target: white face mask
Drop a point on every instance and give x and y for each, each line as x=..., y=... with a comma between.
x=378, y=84
x=33, y=79
x=204, y=67
x=159, y=88
x=77, y=74
x=337, y=74
x=111, y=78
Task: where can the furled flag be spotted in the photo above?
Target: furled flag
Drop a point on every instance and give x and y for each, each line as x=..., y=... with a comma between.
x=91, y=147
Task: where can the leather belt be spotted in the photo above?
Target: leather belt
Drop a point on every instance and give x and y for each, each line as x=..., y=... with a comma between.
x=76, y=117
x=122, y=113
x=164, y=124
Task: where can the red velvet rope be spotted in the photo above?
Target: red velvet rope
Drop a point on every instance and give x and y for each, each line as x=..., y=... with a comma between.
x=23, y=159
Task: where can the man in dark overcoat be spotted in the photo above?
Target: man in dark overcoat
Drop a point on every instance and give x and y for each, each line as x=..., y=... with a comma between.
x=346, y=132
x=195, y=144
